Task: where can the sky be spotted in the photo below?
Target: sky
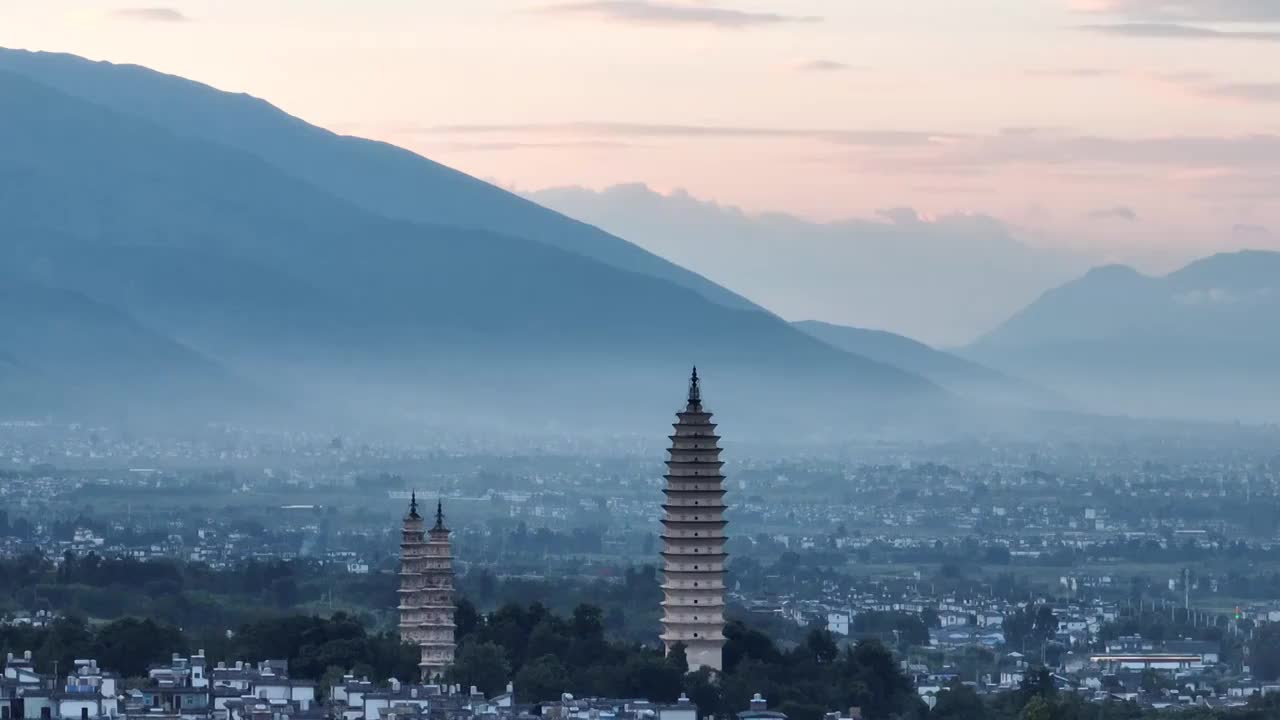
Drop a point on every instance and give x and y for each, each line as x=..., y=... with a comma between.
x=1137, y=129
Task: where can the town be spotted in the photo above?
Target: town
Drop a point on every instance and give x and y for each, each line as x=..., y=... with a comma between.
x=1122, y=577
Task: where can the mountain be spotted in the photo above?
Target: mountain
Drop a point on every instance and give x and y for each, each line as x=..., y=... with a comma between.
x=360, y=315
x=378, y=177
x=952, y=372
x=62, y=350
x=1201, y=342
x=944, y=279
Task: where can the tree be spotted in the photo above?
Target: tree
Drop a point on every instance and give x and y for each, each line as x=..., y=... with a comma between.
x=130, y=646
x=284, y=591
x=930, y=618
x=1031, y=624
x=678, y=658
x=1151, y=681
x=704, y=691
x=822, y=646
x=871, y=680
x=1046, y=623
x=654, y=677
x=1036, y=683
x=332, y=676
x=482, y=664
x=588, y=623
x=742, y=643
x=66, y=640
x=1037, y=709
x=973, y=662
x=548, y=638
x=797, y=710
x=1264, y=652
x=958, y=702
x=542, y=679
x=465, y=619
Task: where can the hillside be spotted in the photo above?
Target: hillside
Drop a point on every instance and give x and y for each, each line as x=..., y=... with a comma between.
x=944, y=279
x=306, y=293
x=1200, y=342
x=378, y=177
x=952, y=372
x=62, y=350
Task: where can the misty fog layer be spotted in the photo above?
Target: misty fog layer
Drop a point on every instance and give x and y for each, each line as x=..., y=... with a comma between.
x=942, y=280
x=172, y=250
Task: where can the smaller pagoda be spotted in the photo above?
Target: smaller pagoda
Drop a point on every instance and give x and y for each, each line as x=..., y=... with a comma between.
x=426, y=591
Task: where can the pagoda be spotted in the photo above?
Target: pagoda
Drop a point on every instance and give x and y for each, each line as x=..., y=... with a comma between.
x=426, y=591
x=693, y=556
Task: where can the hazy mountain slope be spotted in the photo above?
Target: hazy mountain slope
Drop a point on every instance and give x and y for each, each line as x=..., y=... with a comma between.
x=1199, y=342
x=59, y=349
x=946, y=280
x=292, y=285
x=379, y=177
x=950, y=371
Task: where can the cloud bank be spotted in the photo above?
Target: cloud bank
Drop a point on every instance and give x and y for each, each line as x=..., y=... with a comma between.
x=903, y=270
x=1181, y=32
x=1119, y=212
x=664, y=13
x=824, y=66
x=674, y=130
x=935, y=148
x=1185, y=10
x=151, y=14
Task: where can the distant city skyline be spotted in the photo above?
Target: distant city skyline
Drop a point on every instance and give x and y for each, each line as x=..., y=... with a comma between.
x=1128, y=128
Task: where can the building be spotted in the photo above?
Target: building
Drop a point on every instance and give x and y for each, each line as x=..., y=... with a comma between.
x=838, y=623
x=759, y=710
x=682, y=709
x=88, y=692
x=426, y=591
x=1166, y=662
x=693, y=537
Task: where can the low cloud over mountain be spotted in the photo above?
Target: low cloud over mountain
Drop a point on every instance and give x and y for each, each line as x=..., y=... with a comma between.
x=1202, y=342
x=945, y=280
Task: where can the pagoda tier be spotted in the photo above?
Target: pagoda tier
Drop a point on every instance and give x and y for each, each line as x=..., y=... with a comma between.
x=426, y=591
x=693, y=537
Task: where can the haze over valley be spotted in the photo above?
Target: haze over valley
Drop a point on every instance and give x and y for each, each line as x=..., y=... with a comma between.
x=640, y=360
x=209, y=245
x=944, y=280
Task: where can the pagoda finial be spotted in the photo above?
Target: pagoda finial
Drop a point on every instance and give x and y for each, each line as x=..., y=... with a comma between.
x=695, y=392
x=439, y=515
x=413, y=504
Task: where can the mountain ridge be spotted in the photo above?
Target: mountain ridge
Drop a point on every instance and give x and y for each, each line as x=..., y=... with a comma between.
x=1201, y=338
x=900, y=269
x=234, y=257
x=48, y=330
x=378, y=176
x=960, y=375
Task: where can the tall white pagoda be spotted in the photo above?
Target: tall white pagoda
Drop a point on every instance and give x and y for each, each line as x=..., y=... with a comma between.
x=693, y=556
x=426, y=591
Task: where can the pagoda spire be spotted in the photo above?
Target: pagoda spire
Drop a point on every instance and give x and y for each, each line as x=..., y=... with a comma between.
x=439, y=515
x=413, y=504
x=695, y=389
